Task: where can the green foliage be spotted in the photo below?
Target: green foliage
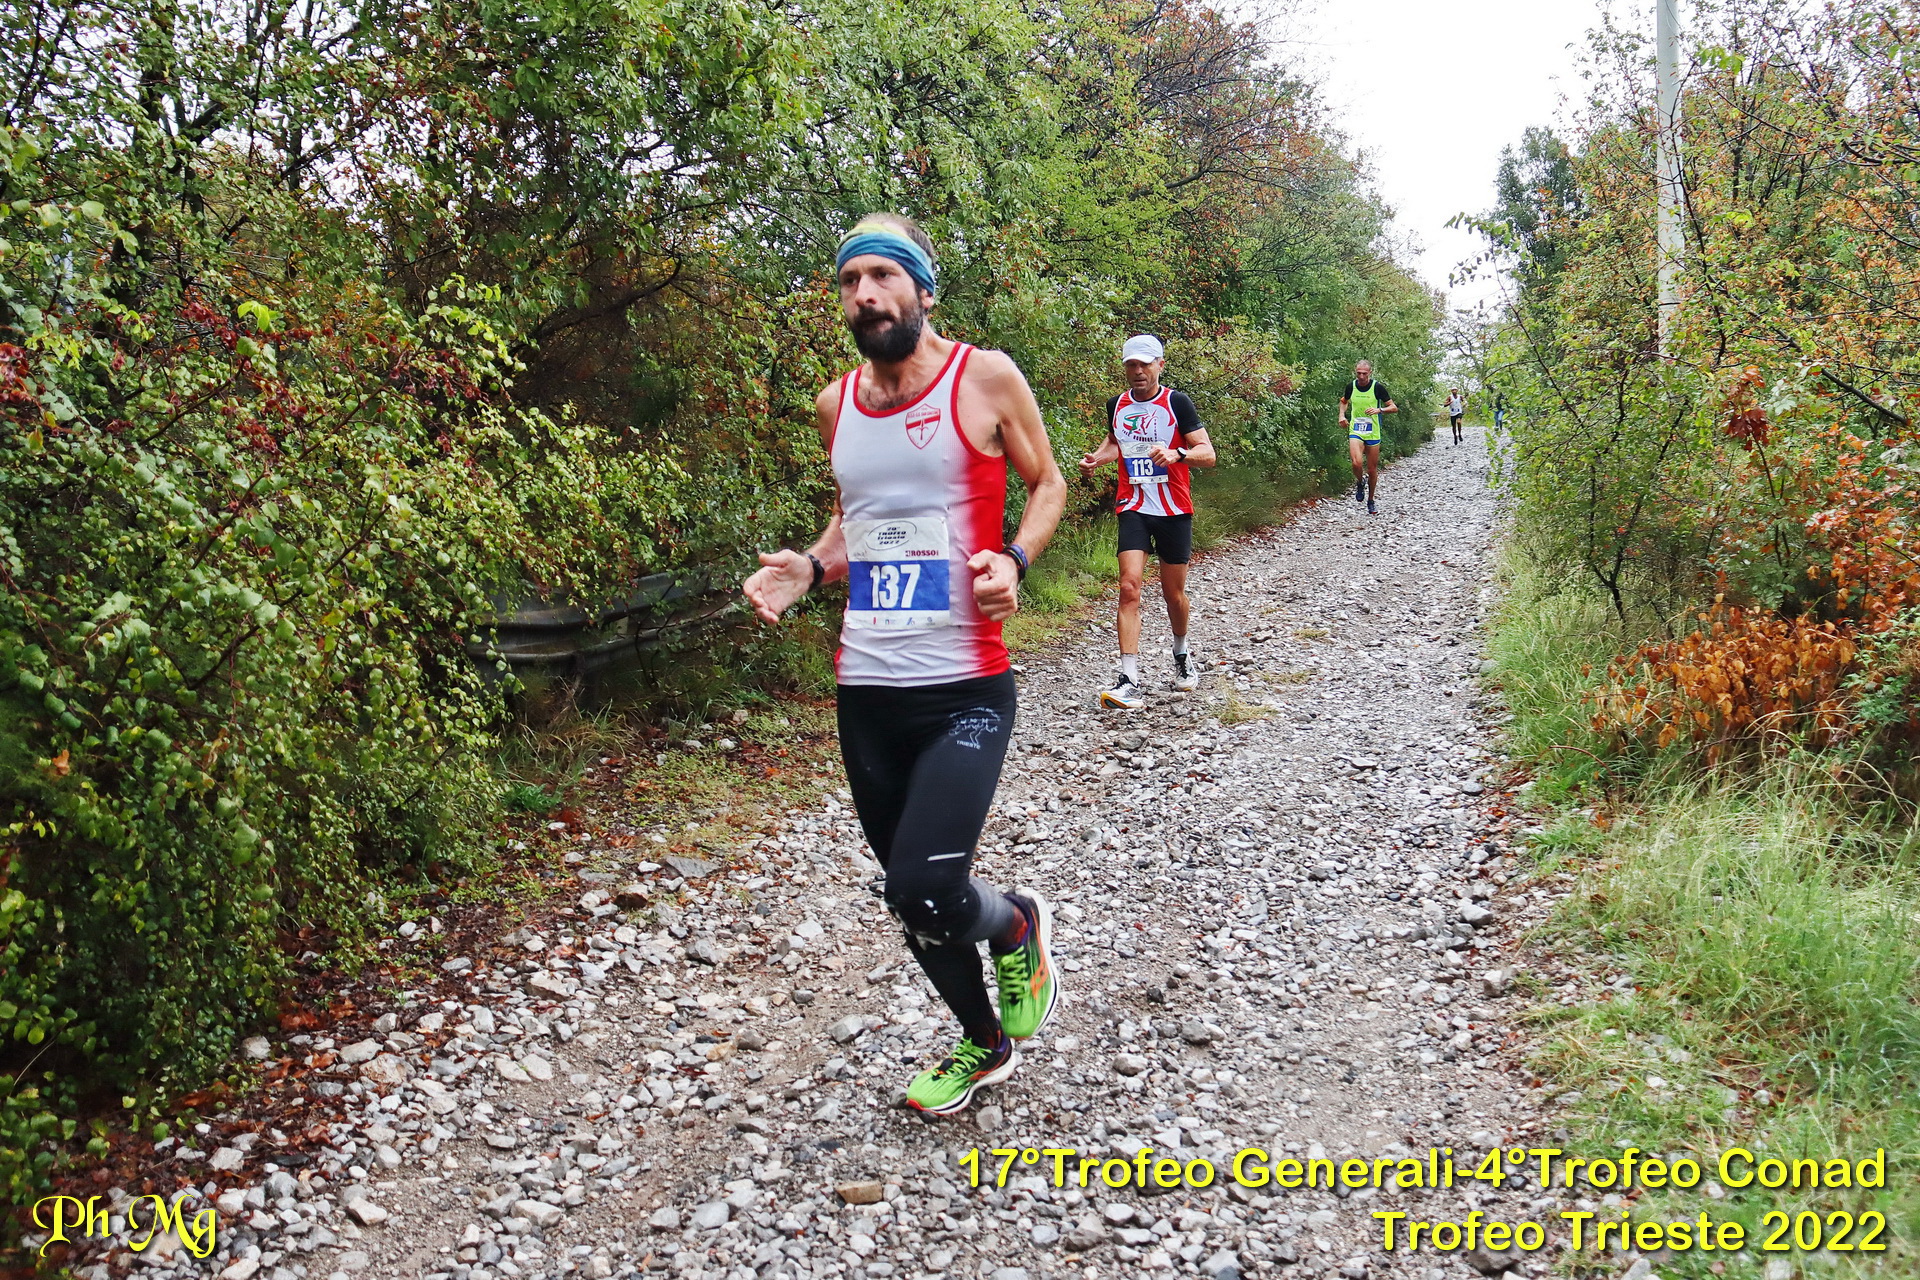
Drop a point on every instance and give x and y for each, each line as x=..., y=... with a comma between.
x=243, y=549
x=1886, y=687
x=525, y=797
x=1745, y=462
x=1727, y=503
x=1540, y=206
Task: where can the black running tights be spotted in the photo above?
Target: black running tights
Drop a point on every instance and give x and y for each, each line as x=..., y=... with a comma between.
x=923, y=763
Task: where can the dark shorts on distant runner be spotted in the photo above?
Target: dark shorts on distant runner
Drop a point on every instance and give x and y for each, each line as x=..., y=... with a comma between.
x=1168, y=538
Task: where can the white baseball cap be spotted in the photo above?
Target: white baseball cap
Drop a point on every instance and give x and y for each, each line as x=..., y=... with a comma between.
x=1143, y=346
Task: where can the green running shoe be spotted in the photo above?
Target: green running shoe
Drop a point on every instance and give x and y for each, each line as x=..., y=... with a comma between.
x=950, y=1086
x=1029, y=991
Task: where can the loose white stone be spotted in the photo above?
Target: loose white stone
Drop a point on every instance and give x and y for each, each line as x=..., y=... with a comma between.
x=362, y=1051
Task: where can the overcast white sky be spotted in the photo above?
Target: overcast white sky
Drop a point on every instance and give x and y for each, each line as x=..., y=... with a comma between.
x=1431, y=90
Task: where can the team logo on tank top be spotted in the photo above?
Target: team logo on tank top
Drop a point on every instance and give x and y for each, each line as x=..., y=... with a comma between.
x=922, y=422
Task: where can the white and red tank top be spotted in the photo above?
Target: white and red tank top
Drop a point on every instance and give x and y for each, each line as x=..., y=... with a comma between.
x=917, y=500
x=1145, y=486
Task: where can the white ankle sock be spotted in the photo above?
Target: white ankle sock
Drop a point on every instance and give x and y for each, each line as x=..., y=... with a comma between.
x=1179, y=644
x=1130, y=666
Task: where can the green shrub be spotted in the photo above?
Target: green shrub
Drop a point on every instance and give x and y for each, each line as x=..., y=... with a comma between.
x=243, y=550
x=525, y=797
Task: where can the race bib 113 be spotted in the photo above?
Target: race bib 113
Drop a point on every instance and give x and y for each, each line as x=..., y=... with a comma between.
x=1137, y=455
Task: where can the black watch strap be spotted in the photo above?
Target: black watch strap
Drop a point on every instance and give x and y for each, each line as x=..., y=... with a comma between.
x=819, y=572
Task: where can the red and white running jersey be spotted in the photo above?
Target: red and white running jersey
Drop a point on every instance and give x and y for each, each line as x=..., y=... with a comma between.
x=1145, y=486
x=917, y=501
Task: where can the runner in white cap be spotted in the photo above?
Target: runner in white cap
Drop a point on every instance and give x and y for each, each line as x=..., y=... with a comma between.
x=1155, y=433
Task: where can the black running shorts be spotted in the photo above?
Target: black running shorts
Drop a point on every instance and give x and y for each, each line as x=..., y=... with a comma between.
x=1170, y=538
x=923, y=762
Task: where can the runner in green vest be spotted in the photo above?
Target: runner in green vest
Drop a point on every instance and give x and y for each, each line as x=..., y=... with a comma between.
x=1360, y=410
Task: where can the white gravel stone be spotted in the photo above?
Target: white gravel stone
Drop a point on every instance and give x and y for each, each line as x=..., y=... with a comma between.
x=362, y=1051
x=387, y=1069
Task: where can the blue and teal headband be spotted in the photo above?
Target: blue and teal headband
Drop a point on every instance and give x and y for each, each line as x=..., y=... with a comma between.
x=888, y=242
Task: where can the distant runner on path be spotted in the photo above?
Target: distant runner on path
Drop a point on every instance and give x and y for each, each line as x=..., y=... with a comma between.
x=920, y=438
x=1456, y=410
x=1155, y=434
x=1360, y=409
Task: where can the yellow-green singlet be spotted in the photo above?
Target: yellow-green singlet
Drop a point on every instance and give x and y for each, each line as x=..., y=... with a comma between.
x=1363, y=412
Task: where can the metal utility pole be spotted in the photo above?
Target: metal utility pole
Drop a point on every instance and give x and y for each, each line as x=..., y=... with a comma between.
x=1668, y=234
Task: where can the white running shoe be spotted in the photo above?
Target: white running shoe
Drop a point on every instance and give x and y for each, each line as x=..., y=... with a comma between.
x=1185, y=678
x=1125, y=695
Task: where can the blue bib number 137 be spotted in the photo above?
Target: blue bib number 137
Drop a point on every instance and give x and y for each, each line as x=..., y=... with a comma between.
x=897, y=573
x=897, y=586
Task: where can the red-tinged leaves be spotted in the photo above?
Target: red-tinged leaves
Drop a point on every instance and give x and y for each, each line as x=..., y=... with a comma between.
x=298, y=1020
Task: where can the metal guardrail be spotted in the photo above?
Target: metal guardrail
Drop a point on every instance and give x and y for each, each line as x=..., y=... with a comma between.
x=536, y=637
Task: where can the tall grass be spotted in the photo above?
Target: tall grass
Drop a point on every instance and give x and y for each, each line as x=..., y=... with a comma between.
x=1761, y=905
x=1079, y=562
x=1546, y=646
x=1771, y=926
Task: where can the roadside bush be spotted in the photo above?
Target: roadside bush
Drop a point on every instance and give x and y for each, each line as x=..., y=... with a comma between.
x=242, y=556
x=1742, y=677
x=1763, y=458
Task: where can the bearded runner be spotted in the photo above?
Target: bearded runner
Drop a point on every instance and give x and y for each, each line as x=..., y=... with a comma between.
x=920, y=437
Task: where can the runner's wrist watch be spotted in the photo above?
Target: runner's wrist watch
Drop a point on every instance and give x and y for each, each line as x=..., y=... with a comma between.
x=819, y=572
x=1018, y=554
x=1182, y=452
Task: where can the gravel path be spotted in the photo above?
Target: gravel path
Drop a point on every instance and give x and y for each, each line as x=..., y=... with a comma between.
x=1263, y=891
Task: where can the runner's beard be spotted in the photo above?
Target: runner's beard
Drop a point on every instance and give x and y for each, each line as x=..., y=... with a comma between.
x=889, y=339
